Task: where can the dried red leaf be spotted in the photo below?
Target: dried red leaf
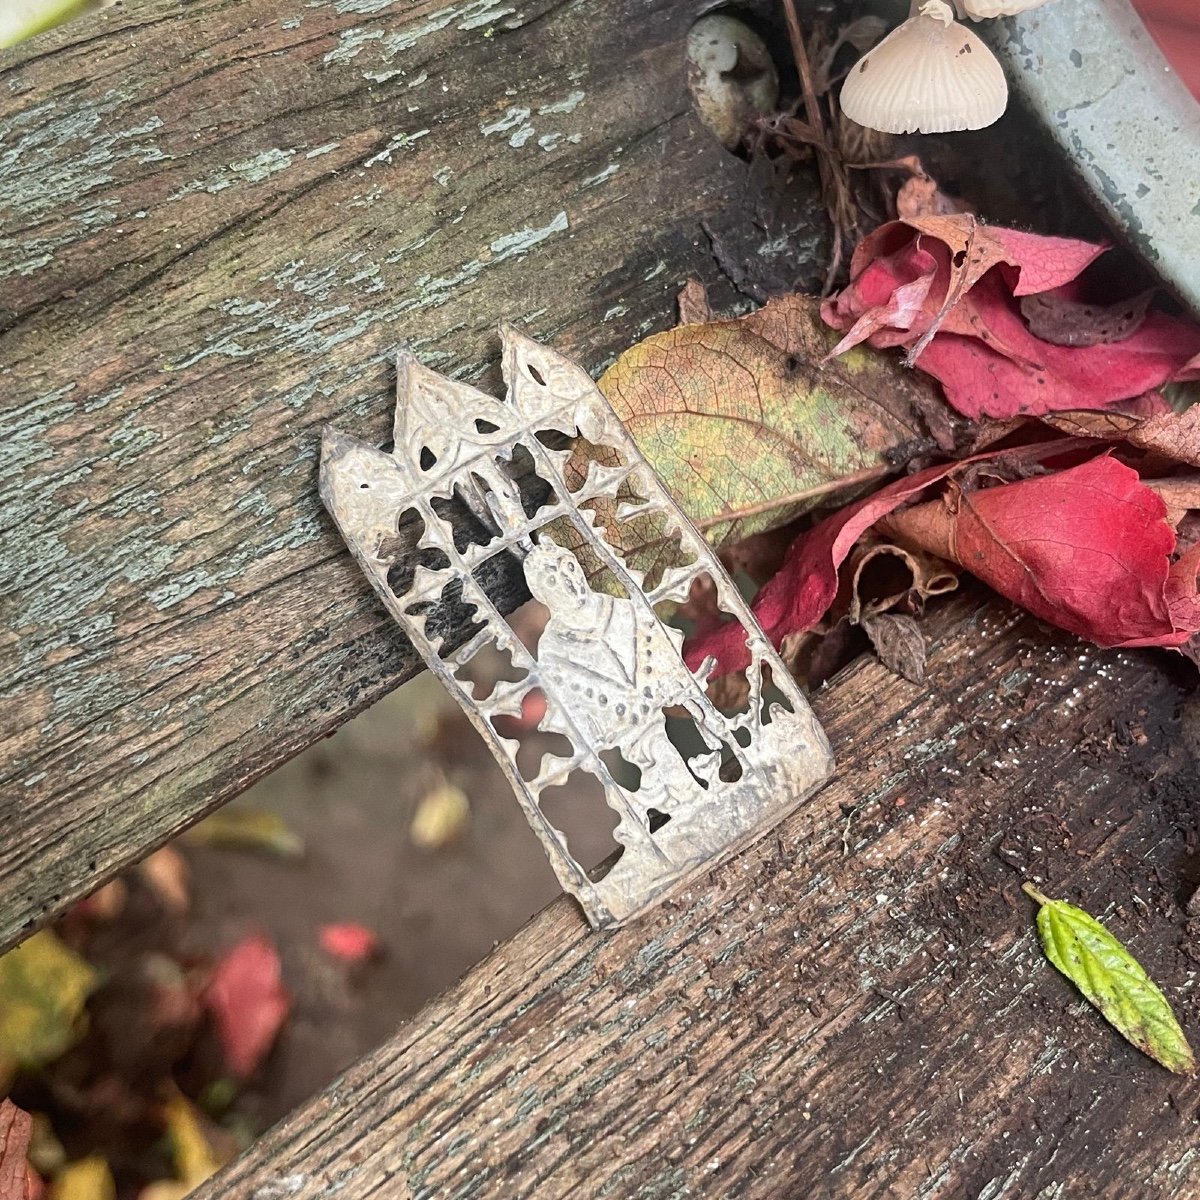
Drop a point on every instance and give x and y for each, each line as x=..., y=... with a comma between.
x=805, y=586
x=1087, y=549
x=948, y=289
x=349, y=941
x=249, y=1003
x=17, y=1179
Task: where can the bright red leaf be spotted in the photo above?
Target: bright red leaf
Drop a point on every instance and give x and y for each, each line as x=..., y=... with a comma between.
x=349, y=941
x=947, y=288
x=249, y=1003
x=1087, y=549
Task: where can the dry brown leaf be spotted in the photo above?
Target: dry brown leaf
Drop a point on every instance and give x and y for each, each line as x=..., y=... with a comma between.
x=1064, y=322
x=900, y=644
x=883, y=575
x=1174, y=435
x=1180, y=493
x=920, y=196
x=694, y=308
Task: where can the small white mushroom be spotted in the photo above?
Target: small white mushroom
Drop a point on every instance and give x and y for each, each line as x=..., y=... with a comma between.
x=731, y=76
x=932, y=75
x=984, y=10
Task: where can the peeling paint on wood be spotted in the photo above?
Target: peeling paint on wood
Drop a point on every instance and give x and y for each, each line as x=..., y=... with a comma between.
x=217, y=224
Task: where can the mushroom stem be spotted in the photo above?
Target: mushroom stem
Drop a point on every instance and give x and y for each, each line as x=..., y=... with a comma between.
x=939, y=10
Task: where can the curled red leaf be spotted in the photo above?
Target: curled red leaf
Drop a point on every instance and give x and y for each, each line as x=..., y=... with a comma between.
x=804, y=587
x=1090, y=548
x=948, y=289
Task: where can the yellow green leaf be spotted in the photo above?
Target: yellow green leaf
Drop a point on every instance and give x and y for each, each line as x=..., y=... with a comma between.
x=239, y=828
x=43, y=988
x=192, y=1154
x=442, y=816
x=194, y=1158
x=1113, y=980
x=749, y=428
x=87, y=1179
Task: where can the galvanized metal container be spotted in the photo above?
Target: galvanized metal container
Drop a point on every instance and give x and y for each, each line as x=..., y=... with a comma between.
x=1130, y=128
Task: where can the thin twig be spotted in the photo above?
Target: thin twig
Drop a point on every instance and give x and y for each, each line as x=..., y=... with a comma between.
x=834, y=186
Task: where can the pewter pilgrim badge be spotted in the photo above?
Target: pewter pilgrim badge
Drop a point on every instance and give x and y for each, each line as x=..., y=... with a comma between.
x=611, y=672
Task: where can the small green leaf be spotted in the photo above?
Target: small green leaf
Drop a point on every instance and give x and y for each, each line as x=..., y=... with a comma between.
x=1113, y=980
x=21, y=19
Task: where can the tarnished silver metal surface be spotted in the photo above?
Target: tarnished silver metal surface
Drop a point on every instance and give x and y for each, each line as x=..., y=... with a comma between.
x=611, y=671
x=1093, y=75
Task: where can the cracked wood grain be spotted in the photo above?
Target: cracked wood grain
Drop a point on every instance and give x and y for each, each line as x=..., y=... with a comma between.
x=855, y=1007
x=218, y=221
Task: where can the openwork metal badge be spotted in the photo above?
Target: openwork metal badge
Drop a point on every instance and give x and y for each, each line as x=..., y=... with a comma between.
x=548, y=488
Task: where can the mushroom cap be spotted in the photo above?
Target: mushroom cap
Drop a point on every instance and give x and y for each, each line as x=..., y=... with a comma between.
x=927, y=76
x=983, y=10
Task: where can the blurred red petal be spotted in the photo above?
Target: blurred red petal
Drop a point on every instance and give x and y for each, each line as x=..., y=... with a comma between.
x=533, y=709
x=348, y=941
x=248, y=1002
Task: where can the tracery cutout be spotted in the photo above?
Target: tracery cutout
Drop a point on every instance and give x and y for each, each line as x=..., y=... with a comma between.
x=609, y=668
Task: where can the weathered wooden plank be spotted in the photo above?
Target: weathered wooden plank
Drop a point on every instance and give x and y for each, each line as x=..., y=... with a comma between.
x=854, y=1008
x=217, y=222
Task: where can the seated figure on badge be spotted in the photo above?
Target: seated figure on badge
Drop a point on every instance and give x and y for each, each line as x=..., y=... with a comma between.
x=615, y=667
